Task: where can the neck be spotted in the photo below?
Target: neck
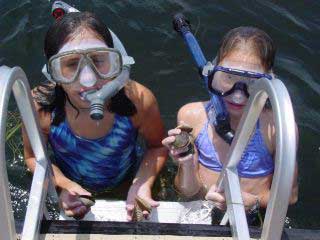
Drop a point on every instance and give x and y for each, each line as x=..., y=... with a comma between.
x=234, y=122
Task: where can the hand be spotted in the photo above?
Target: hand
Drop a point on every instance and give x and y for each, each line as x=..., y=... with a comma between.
x=70, y=202
x=144, y=192
x=219, y=200
x=176, y=153
x=217, y=197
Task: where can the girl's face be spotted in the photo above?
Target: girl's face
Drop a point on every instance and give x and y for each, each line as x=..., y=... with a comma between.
x=242, y=59
x=87, y=78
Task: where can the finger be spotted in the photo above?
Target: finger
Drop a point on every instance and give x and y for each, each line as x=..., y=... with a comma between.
x=82, y=191
x=221, y=206
x=129, y=208
x=76, y=211
x=81, y=215
x=187, y=158
x=146, y=214
x=215, y=197
x=179, y=150
x=153, y=203
x=167, y=141
x=71, y=204
x=173, y=132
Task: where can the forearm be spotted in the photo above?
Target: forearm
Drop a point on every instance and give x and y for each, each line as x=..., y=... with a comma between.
x=59, y=179
x=152, y=163
x=187, y=180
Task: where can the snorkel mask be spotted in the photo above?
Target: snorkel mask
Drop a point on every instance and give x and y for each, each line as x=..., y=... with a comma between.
x=224, y=82
x=90, y=63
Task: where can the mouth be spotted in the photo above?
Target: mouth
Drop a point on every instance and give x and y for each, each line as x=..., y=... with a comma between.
x=235, y=106
x=96, y=87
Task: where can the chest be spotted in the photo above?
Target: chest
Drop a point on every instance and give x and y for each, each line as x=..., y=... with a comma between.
x=83, y=126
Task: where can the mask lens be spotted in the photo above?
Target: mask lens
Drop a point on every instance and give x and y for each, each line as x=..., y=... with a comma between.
x=65, y=67
x=224, y=81
x=106, y=63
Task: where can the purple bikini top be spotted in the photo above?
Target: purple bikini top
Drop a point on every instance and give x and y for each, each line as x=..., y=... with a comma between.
x=256, y=160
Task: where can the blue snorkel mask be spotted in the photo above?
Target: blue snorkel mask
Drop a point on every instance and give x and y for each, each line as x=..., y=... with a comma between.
x=224, y=81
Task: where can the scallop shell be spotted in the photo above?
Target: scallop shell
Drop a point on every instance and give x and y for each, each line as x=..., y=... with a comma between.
x=181, y=140
x=87, y=200
x=140, y=206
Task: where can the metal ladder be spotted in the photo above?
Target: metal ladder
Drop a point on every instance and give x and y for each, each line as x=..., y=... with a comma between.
x=14, y=79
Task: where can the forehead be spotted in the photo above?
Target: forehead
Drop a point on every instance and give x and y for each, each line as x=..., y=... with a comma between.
x=83, y=39
x=243, y=59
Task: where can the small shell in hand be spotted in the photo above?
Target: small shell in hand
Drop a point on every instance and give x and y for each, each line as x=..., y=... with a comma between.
x=88, y=201
x=140, y=206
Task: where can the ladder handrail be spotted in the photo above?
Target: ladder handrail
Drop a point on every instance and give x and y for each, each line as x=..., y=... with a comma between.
x=284, y=159
x=14, y=79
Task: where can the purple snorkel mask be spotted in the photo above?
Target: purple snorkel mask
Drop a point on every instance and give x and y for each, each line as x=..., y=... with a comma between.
x=224, y=81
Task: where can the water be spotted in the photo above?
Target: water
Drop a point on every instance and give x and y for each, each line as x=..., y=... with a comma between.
x=164, y=65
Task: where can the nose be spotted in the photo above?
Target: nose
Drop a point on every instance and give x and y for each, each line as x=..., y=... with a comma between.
x=239, y=97
x=87, y=76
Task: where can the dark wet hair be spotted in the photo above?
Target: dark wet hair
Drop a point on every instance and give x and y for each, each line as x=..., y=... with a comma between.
x=52, y=96
x=262, y=44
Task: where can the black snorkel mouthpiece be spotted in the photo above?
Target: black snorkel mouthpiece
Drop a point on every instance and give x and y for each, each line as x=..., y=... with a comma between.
x=222, y=124
x=181, y=24
x=223, y=128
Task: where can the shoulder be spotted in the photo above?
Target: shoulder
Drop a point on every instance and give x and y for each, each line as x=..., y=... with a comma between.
x=193, y=114
x=141, y=96
x=145, y=102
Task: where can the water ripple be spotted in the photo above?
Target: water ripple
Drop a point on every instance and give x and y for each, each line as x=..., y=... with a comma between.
x=296, y=67
x=285, y=13
x=18, y=29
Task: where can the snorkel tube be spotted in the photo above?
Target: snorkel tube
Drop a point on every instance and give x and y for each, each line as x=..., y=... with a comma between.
x=97, y=98
x=221, y=117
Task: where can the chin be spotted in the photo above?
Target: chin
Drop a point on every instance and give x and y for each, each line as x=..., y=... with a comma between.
x=235, y=109
x=78, y=101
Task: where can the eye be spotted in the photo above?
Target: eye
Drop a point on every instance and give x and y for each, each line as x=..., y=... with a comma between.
x=72, y=64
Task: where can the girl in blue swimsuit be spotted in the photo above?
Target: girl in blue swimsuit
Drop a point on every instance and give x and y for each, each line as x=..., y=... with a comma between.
x=250, y=51
x=90, y=156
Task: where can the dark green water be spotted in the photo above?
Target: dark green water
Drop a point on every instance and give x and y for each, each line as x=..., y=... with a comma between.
x=164, y=65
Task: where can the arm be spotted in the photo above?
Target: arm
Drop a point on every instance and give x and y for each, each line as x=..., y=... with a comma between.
x=150, y=126
x=187, y=180
x=263, y=196
x=70, y=189
x=294, y=193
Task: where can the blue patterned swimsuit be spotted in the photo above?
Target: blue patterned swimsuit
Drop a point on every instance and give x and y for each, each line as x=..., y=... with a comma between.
x=256, y=160
x=96, y=164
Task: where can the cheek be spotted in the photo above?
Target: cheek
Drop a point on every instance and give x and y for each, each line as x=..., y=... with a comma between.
x=69, y=88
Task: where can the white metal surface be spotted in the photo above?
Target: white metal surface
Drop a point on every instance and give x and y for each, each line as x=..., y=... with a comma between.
x=194, y=212
x=14, y=79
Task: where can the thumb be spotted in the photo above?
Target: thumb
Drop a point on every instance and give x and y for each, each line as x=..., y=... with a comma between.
x=129, y=208
x=152, y=202
x=80, y=191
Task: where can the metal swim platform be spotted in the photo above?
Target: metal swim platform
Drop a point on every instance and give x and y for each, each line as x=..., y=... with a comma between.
x=14, y=79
